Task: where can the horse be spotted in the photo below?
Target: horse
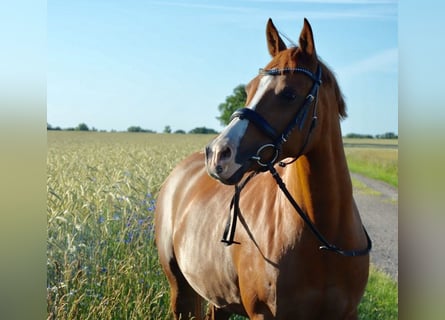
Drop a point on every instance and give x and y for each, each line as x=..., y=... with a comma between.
x=300, y=250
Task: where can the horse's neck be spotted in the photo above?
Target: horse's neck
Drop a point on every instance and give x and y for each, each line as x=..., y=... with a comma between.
x=321, y=184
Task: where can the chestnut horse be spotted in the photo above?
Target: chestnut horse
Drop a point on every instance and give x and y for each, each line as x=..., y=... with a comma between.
x=273, y=265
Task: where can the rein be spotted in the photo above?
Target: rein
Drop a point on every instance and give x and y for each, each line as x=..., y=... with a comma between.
x=278, y=140
x=326, y=245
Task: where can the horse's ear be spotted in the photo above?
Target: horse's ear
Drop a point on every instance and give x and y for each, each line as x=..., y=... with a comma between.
x=307, y=39
x=274, y=42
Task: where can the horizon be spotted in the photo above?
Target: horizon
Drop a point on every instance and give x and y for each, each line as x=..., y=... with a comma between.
x=353, y=135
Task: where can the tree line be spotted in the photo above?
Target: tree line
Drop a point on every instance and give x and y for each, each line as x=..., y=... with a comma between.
x=387, y=135
x=167, y=129
x=204, y=130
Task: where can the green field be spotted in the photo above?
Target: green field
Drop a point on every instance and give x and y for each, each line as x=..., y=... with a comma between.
x=375, y=158
x=101, y=258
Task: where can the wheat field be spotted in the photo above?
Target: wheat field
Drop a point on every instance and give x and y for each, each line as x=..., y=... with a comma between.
x=101, y=258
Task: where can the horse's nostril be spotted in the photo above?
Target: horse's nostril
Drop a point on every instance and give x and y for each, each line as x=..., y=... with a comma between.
x=226, y=153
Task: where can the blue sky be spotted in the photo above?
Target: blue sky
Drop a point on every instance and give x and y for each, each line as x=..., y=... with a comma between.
x=115, y=64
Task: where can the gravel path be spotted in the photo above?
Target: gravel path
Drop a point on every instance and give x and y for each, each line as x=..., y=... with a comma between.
x=378, y=206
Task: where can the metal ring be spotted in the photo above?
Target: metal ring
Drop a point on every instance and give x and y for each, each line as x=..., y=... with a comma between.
x=258, y=154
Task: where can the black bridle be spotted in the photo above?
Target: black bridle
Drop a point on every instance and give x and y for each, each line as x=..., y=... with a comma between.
x=299, y=120
x=277, y=141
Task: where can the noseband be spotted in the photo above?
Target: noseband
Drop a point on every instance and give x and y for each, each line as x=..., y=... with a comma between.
x=299, y=120
x=277, y=141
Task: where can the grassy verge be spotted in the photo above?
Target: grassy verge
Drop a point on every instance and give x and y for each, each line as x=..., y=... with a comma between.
x=380, y=300
x=376, y=163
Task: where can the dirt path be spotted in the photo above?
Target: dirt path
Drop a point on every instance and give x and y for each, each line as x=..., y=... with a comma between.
x=378, y=205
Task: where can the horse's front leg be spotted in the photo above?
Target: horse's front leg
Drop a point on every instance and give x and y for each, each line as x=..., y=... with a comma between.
x=215, y=313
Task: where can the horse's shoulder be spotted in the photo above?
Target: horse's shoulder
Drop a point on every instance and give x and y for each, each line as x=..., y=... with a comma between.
x=190, y=165
x=194, y=161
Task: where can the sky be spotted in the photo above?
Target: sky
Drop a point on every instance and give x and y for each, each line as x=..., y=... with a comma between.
x=115, y=64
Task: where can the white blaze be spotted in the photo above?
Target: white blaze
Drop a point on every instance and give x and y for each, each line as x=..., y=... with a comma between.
x=262, y=87
x=237, y=127
x=234, y=132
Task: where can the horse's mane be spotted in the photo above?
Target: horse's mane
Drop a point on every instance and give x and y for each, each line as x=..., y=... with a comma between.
x=328, y=77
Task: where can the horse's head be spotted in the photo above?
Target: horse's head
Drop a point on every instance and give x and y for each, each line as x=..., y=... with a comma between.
x=281, y=111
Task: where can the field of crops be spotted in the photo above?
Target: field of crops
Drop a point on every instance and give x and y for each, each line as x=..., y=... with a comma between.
x=101, y=258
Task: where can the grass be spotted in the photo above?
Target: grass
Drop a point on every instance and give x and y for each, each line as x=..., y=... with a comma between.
x=380, y=300
x=101, y=258
x=383, y=143
x=374, y=162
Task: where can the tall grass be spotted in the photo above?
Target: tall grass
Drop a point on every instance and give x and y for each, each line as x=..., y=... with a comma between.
x=102, y=262
x=101, y=258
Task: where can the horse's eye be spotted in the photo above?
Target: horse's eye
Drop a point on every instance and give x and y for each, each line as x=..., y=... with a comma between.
x=288, y=94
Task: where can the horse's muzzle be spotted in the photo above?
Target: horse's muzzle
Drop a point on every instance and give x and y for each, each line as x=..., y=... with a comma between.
x=221, y=164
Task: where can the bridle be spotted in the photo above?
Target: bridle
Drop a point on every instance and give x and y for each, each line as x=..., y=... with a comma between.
x=277, y=141
x=299, y=120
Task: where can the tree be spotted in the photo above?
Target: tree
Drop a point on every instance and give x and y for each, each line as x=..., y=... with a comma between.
x=202, y=130
x=134, y=129
x=50, y=127
x=233, y=102
x=167, y=129
x=82, y=127
x=387, y=135
x=359, y=136
x=139, y=129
